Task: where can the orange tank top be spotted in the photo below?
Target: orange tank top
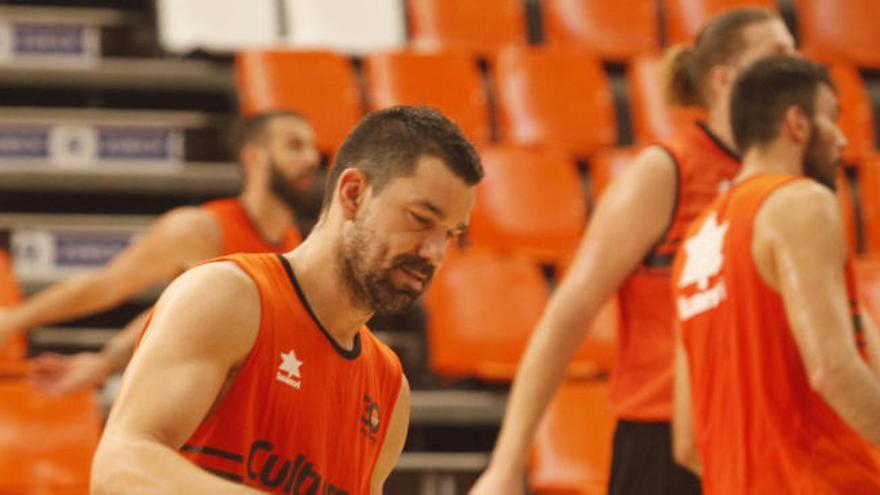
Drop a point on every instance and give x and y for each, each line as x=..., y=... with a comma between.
x=641, y=383
x=9, y=296
x=303, y=415
x=759, y=426
x=239, y=235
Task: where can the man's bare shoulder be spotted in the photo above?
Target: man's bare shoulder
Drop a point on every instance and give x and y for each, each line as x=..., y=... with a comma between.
x=212, y=305
x=798, y=206
x=189, y=220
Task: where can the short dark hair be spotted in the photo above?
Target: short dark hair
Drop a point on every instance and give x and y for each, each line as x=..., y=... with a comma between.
x=766, y=89
x=720, y=42
x=387, y=144
x=251, y=129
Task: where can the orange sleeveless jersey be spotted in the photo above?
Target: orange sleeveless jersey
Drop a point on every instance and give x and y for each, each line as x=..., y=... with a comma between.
x=759, y=427
x=641, y=386
x=239, y=235
x=10, y=295
x=303, y=415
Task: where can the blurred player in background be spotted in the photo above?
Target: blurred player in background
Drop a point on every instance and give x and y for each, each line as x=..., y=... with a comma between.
x=259, y=368
x=277, y=153
x=782, y=400
x=629, y=248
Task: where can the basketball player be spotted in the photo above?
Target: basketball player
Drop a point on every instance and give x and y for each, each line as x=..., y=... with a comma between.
x=279, y=160
x=629, y=248
x=782, y=401
x=259, y=369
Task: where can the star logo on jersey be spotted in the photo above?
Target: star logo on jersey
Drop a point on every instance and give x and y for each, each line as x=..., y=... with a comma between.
x=703, y=257
x=288, y=370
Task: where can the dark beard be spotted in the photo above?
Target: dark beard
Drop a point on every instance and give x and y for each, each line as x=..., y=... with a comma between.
x=375, y=289
x=812, y=166
x=298, y=201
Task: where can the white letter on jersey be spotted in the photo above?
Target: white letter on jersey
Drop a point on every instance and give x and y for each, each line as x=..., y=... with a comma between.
x=703, y=259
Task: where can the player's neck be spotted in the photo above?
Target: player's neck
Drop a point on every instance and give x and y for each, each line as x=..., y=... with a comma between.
x=270, y=216
x=718, y=121
x=316, y=266
x=775, y=158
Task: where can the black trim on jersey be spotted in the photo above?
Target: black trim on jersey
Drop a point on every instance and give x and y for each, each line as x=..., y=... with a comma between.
x=654, y=259
x=355, y=351
x=658, y=260
x=223, y=454
x=857, y=324
x=225, y=475
x=718, y=142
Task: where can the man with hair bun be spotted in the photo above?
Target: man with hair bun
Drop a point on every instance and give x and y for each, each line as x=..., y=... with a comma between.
x=629, y=248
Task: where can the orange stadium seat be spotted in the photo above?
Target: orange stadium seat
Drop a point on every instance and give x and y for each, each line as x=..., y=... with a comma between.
x=10, y=295
x=840, y=30
x=481, y=309
x=869, y=193
x=856, y=116
x=481, y=27
x=554, y=97
x=614, y=30
x=685, y=18
x=653, y=118
x=606, y=165
x=529, y=201
x=450, y=82
x=572, y=450
x=47, y=441
x=319, y=84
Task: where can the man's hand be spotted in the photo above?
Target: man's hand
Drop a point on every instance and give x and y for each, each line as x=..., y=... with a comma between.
x=58, y=374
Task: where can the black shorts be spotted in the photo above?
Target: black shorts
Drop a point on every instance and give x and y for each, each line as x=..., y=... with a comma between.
x=642, y=462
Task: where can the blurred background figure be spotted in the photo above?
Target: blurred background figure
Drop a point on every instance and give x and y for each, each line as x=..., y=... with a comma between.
x=279, y=160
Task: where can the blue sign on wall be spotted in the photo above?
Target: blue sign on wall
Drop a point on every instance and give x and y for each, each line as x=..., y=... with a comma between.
x=88, y=249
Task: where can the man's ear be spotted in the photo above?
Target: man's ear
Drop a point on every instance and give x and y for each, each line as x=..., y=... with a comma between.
x=351, y=191
x=721, y=76
x=796, y=125
x=255, y=163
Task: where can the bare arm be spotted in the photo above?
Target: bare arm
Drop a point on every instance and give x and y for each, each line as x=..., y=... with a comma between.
x=630, y=218
x=808, y=271
x=60, y=374
x=684, y=447
x=117, y=352
x=203, y=326
x=178, y=240
x=394, y=440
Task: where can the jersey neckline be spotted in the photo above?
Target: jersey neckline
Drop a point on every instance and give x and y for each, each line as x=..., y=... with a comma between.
x=718, y=142
x=349, y=354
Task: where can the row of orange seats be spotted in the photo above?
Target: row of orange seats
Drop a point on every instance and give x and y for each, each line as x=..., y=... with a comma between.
x=530, y=211
x=557, y=97
x=841, y=29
